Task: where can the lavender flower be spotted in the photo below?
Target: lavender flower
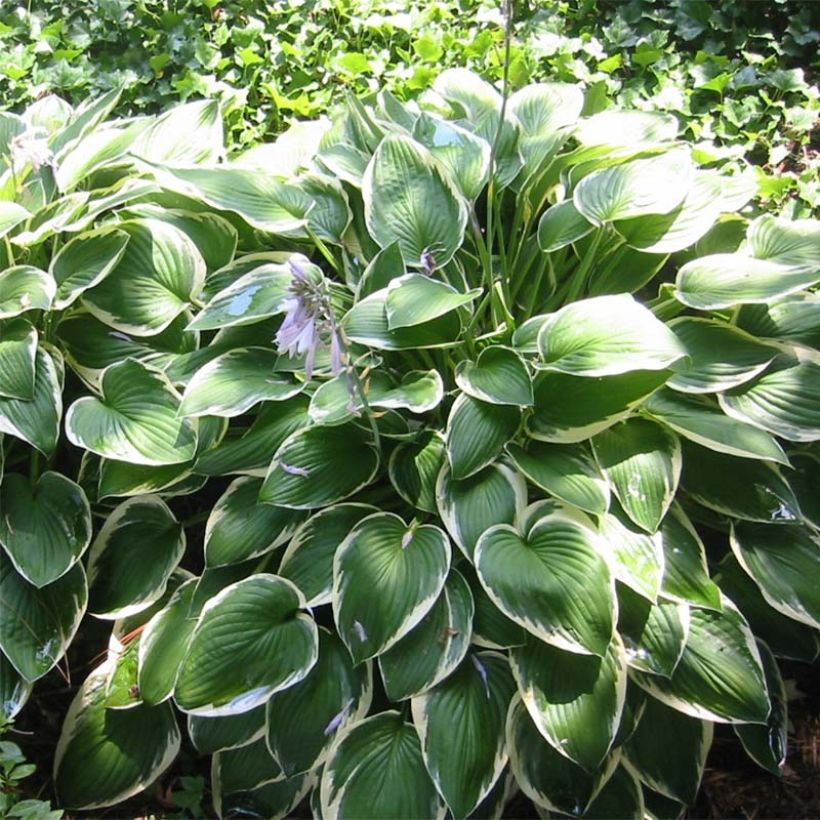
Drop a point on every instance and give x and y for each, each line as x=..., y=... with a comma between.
x=309, y=317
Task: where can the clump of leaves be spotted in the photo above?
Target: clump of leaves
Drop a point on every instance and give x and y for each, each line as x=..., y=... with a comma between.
x=551, y=470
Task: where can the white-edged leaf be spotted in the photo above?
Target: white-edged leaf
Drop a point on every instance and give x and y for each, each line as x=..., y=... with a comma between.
x=498, y=376
x=24, y=288
x=18, y=356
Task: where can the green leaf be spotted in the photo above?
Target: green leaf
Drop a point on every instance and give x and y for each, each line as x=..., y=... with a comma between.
x=498, y=376
x=186, y=133
x=133, y=556
x=232, y=383
x=263, y=201
x=783, y=562
x=719, y=676
x=415, y=299
x=414, y=467
x=409, y=566
x=751, y=490
x=477, y=432
x=136, y=420
x=642, y=462
x=385, y=266
x=210, y=734
x=551, y=780
x=720, y=356
x=275, y=800
x=641, y=186
x=766, y=745
x=303, y=720
x=308, y=559
x=11, y=215
x=243, y=768
x=606, y=336
x=565, y=471
x=304, y=473
x=375, y=769
x=105, y=756
x=574, y=700
x=554, y=582
x=158, y=277
x=85, y=261
x=614, y=128
x=470, y=506
x=431, y=651
x=14, y=690
x=793, y=318
x=18, y=354
x=24, y=288
x=654, y=634
x=38, y=625
x=37, y=421
x=461, y=725
x=784, y=401
x=788, y=242
x=410, y=199
x=620, y=796
x=251, y=640
x=674, y=768
x=569, y=409
x=700, y=421
x=45, y=526
x=240, y=527
x=562, y=225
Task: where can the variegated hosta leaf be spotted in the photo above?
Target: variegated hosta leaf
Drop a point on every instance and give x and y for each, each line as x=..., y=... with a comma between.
x=24, y=288
x=45, y=527
x=133, y=556
x=766, y=745
x=477, y=432
x=14, y=689
x=642, y=462
x=84, y=262
x=415, y=299
x=804, y=478
x=433, y=649
x=303, y=720
x=751, y=490
x=157, y=278
x=641, y=186
x=232, y=383
x=38, y=625
x=551, y=780
x=784, y=401
x=305, y=474
x=553, y=582
x=790, y=319
x=213, y=734
x=409, y=198
x=498, y=376
x=668, y=751
x=375, y=769
x=565, y=471
x=789, y=242
x=37, y=420
x=274, y=800
x=654, y=634
x=243, y=768
x=241, y=527
x=786, y=637
x=719, y=676
x=562, y=225
x=495, y=495
x=685, y=573
x=620, y=796
x=569, y=408
x=105, y=756
x=414, y=467
x=492, y=629
x=636, y=557
x=700, y=421
x=719, y=356
x=784, y=563
x=18, y=352
x=574, y=700
x=407, y=565
x=614, y=128
x=11, y=215
x=461, y=725
x=191, y=132
x=251, y=640
x=606, y=336
x=135, y=420
x=308, y=559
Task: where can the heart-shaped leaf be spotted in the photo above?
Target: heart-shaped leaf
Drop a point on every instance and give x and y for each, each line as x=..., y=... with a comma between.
x=135, y=420
x=561, y=225
x=45, y=527
x=409, y=566
x=24, y=288
x=498, y=376
x=18, y=354
x=553, y=582
x=414, y=467
x=214, y=734
x=414, y=299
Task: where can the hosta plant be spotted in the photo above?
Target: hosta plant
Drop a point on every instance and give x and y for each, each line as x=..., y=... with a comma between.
x=500, y=421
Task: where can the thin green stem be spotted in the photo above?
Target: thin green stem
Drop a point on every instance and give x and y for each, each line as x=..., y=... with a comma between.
x=323, y=249
x=368, y=410
x=578, y=279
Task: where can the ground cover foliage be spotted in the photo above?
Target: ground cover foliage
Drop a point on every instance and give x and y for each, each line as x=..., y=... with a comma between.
x=496, y=406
